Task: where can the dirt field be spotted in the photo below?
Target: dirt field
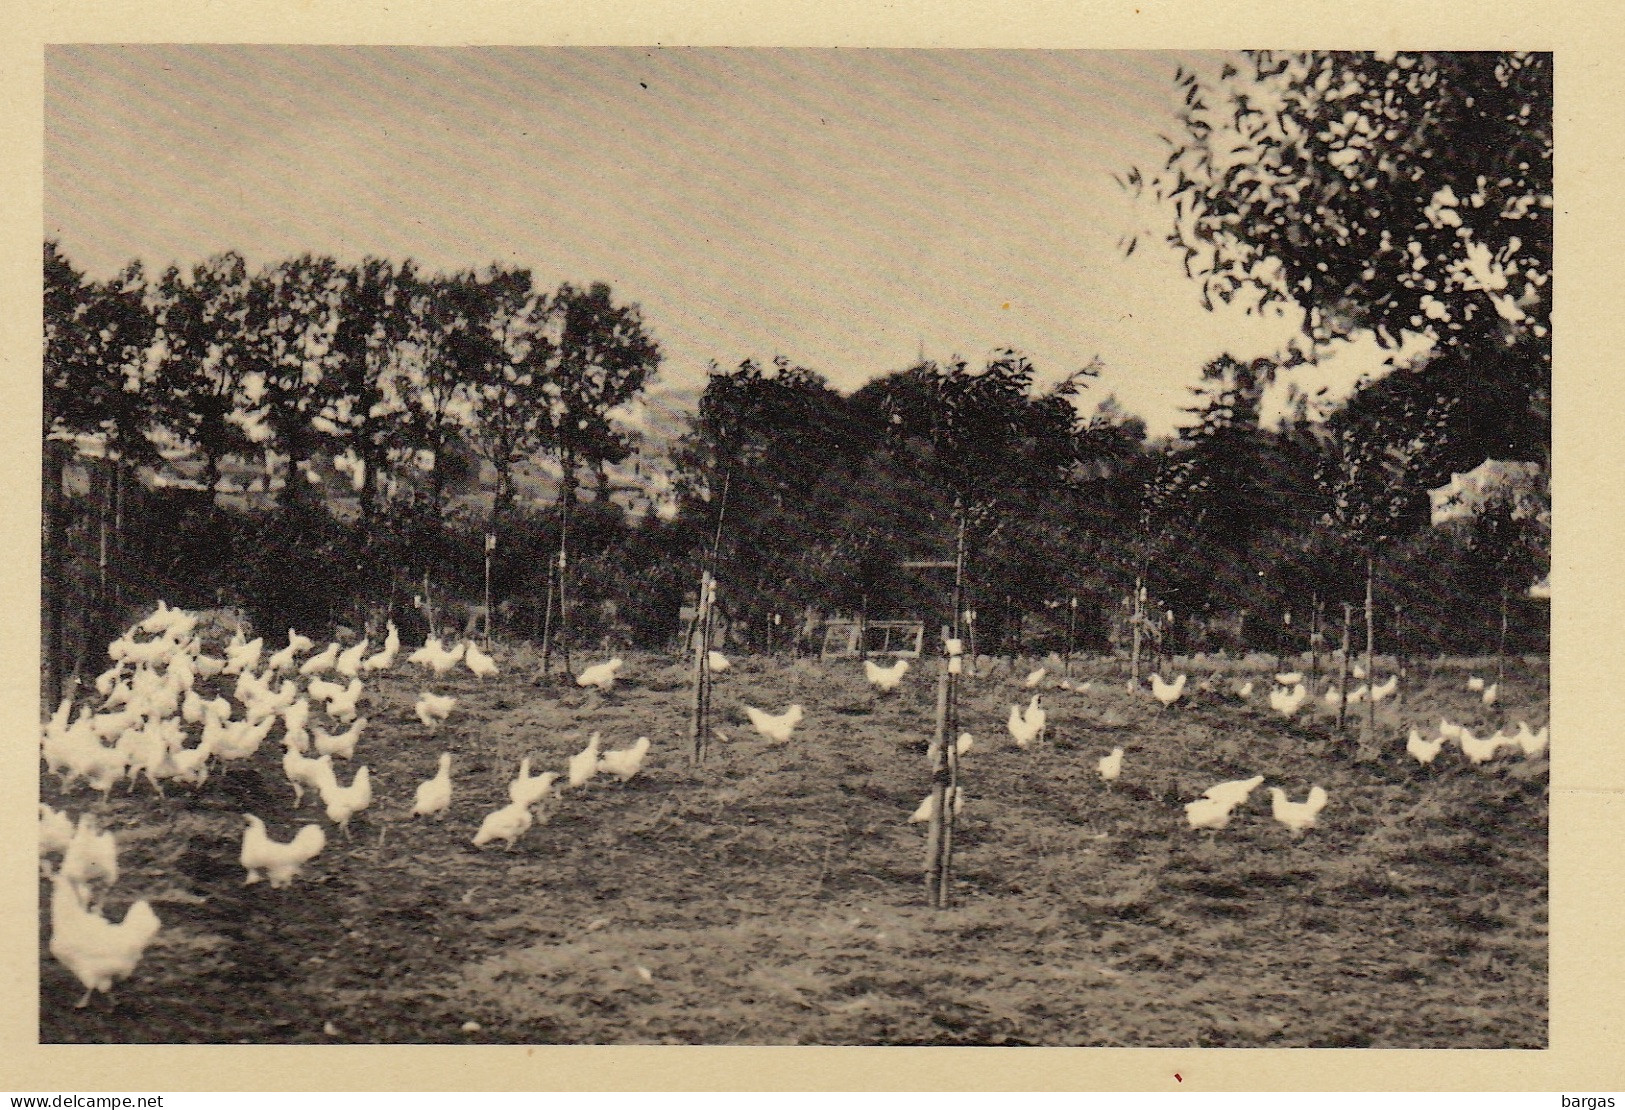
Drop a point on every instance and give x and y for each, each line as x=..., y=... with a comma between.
x=774, y=895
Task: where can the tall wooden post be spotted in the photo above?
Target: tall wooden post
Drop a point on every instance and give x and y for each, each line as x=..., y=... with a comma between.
x=1136, y=619
x=1501, y=645
x=490, y=546
x=1071, y=634
x=1343, y=666
x=1370, y=649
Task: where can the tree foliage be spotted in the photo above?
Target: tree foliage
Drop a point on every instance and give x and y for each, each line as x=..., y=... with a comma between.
x=1397, y=194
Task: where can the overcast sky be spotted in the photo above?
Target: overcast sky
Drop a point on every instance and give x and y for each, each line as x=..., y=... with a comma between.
x=844, y=208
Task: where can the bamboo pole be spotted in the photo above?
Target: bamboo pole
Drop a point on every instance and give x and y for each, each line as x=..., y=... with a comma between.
x=1343, y=666
x=950, y=728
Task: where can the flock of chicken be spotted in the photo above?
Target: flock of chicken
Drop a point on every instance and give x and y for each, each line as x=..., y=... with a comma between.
x=154, y=690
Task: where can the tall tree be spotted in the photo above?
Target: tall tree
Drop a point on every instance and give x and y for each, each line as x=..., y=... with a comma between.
x=602, y=358
x=201, y=318
x=292, y=318
x=363, y=391
x=1395, y=194
x=504, y=355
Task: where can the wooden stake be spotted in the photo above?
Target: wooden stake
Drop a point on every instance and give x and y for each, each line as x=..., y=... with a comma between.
x=1071, y=635
x=1136, y=615
x=1343, y=666
x=1501, y=646
x=1370, y=650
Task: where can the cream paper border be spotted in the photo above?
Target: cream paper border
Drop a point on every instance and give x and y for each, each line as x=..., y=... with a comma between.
x=1587, y=1036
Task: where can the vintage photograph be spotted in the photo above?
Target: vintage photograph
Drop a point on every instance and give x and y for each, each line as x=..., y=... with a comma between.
x=746, y=546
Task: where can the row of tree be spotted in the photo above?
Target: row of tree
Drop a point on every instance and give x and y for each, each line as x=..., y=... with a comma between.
x=1407, y=196
x=397, y=372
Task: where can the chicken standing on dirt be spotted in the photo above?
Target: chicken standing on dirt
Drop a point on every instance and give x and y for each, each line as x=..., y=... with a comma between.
x=1027, y=726
x=93, y=948
x=885, y=679
x=1297, y=816
x=264, y=858
x=584, y=764
x=509, y=823
x=627, y=762
x=775, y=728
x=433, y=797
x=433, y=709
x=601, y=675
x=526, y=790
x=344, y=802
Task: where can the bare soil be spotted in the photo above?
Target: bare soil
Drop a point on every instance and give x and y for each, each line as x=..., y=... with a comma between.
x=774, y=895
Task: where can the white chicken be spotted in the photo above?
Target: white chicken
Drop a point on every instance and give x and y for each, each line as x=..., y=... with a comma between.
x=927, y=808
x=264, y=858
x=483, y=665
x=717, y=661
x=1245, y=690
x=1033, y=679
x=431, y=650
x=55, y=831
x=1292, y=678
x=93, y=948
x=446, y=661
x=433, y=709
x=1206, y=813
x=433, y=796
x=1532, y=743
x=885, y=679
x=1449, y=729
x=322, y=690
x=1491, y=693
x=344, y=802
x=775, y=728
x=322, y=662
x=1421, y=750
x=1386, y=689
x=509, y=823
x=385, y=659
x=1480, y=751
x=964, y=744
x=601, y=675
x=1475, y=684
x=1111, y=766
x=348, y=663
x=1168, y=692
x=242, y=657
x=284, y=659
x=1297, y=816
x=584, y=764
x=626, y=762
x=343, y=705
x=342, y=745
x=1027, y=725
x=306, y=773
x=295, y=716
x=1233, y=793
x=526, y=790
x=91, y=856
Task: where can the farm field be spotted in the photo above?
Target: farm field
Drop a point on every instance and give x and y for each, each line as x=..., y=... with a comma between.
x=774, y=895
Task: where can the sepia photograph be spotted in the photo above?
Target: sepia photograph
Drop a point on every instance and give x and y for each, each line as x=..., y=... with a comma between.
x=737, y=546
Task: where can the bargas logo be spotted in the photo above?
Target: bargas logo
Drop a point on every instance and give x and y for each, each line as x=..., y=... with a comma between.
x=1589, y=1102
